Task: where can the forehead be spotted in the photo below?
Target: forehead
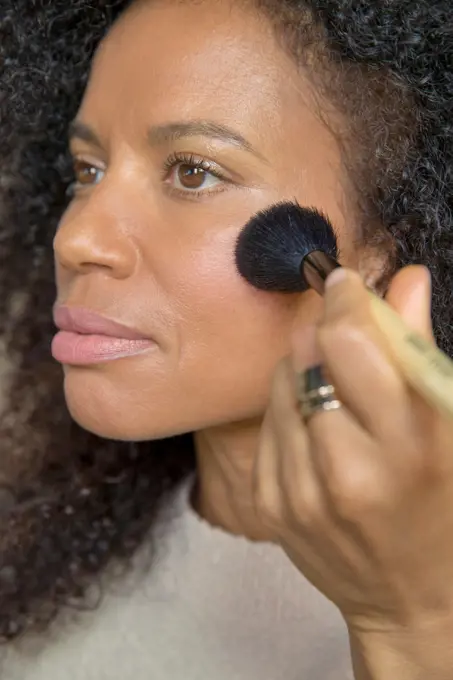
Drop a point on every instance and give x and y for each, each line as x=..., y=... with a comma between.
x=190, y=59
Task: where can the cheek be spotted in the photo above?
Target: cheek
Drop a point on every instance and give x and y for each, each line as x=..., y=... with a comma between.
x=232, y=336
x=225, y=341
x=225, y=325
x=214, y=301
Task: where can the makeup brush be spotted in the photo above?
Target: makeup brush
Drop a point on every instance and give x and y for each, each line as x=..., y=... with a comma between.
x=288, y=248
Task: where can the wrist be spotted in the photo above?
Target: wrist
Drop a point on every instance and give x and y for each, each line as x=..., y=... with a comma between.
x=406, y=654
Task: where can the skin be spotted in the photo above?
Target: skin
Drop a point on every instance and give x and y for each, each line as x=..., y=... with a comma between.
x=361, y=498
x=337, y=493
x=142, y=249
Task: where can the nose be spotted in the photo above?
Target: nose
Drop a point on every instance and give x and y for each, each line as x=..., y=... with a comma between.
x=93, y=239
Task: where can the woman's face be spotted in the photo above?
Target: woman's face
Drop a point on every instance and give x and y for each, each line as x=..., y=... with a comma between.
x=193, y=120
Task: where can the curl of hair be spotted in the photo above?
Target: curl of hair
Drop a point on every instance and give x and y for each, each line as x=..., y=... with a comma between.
x=70, y=503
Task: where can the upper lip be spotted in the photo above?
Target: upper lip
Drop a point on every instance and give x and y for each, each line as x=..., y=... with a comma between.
x=87, y=322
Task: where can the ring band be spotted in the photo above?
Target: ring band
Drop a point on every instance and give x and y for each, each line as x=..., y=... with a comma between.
x=315, y=393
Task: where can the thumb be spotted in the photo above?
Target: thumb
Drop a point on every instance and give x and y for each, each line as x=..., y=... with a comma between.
x=410, y=295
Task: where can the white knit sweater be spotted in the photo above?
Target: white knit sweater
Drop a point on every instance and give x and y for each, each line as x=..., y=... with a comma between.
x=211, y=607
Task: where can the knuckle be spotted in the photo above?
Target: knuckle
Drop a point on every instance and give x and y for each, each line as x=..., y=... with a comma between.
x=432, y=469
x=357, y=493
x=415, y=464
x=344, y=331
x=268, y=504
x=271, y=515
x=303, y=505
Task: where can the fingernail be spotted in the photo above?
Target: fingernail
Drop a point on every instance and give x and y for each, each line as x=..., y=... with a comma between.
x=345, y=299
x=338, y=275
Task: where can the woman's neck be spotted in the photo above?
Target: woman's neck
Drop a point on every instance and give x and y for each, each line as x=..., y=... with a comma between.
x=223, y=495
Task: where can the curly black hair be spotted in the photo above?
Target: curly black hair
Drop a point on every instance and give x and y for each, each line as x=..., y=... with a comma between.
x=72, y=504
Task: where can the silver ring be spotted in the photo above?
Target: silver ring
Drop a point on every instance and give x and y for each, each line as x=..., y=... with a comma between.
x=315, y=393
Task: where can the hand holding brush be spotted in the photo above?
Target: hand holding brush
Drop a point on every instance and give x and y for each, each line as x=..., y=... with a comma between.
x=354, y=474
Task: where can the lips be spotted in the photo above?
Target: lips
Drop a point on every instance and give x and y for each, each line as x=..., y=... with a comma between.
x=88, y=338
x=86, y=322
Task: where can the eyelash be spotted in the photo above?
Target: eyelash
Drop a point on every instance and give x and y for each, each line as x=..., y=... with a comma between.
x=172, y=162
x=176, y=159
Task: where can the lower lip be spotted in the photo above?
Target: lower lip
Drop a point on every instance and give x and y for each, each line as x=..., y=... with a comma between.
x=82, y=350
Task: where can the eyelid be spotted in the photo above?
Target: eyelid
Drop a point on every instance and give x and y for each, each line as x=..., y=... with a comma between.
x=173, y=160
x=176, y=159
x=189, y=158
x=195, y=195
x=89, y=160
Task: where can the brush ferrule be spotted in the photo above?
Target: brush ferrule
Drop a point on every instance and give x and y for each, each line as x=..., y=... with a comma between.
x=316, y=267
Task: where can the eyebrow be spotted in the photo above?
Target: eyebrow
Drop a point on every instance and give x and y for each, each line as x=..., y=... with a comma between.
x=78, y=130
x=170, y=132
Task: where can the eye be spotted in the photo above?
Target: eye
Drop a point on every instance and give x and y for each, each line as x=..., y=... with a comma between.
x=193, y=177
x=190, y=175
x=85, y=174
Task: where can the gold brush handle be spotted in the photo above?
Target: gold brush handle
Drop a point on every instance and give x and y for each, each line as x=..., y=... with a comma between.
x=426, y=368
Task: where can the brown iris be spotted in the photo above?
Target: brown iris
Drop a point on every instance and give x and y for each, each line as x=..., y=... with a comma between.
x=85, y=173
x=191, y=176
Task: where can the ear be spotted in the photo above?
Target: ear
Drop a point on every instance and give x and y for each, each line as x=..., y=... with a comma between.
x=374, y=263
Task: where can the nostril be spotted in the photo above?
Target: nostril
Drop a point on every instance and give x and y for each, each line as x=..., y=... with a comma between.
x=83, y=255
x=88, y=267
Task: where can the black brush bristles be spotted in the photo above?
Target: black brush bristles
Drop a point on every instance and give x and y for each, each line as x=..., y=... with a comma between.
x=271, y=247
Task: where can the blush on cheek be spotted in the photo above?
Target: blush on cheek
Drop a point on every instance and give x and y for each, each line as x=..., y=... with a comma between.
x=210, y=287
x=221, y=315
x=212, y=262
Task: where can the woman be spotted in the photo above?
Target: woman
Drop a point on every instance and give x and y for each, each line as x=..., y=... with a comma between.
x=195, y=116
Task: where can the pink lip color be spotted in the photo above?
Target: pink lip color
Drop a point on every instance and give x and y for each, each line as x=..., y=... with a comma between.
x=88, y=338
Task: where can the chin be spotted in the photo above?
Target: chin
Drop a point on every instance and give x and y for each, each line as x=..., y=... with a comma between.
x=111, y=415
x=109, y=423
x=110, y=408
x=100, y=407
